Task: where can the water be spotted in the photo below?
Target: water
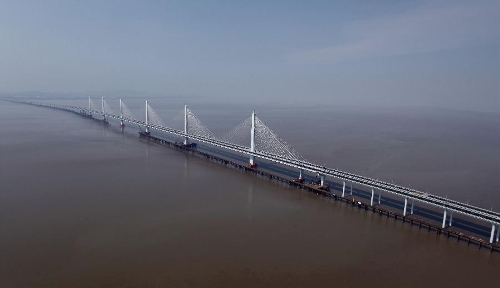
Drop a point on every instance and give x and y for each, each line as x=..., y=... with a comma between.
x=82, y=205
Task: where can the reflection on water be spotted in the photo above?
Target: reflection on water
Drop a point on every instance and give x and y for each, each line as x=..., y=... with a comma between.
x=250, y=202
x=83, y=205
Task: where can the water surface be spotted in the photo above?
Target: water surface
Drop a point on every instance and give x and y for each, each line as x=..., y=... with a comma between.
x=82, y=205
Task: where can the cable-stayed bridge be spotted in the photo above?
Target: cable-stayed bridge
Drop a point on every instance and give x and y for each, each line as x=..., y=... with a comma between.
x=266, y=144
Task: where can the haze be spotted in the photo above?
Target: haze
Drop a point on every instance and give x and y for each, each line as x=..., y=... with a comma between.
x=369, y=53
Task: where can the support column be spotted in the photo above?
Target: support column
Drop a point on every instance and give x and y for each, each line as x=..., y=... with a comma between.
x=451, y=217
x=379, y=196
x=371, y=200
x=411, y=209
x=103, y=112
x=406, y=204
x=498, y=233
x=444, y=219
x=252, y=140
x=186, y=124
x=351, y=188
x=121, y=114
x=322, y=178
x=147, y=118
x=343, y=189
x=301, y=172
x=492, y=232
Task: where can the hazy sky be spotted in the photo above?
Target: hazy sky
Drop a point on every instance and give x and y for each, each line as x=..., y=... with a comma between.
x=430, y=53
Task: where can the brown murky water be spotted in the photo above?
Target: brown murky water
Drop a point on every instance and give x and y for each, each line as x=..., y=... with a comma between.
x=86, y=206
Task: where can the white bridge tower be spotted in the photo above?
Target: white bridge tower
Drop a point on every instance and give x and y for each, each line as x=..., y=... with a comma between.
x=121, y=114
x=103, y=111
x=186, y=140
x=147, y=118
x=252, y=163
x=90, y=107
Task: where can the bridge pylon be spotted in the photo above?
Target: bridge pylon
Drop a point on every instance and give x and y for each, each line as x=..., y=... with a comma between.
x=103, y=111
x=121, y=114
x=251, y=162
x=186, y=140
x=147, y=118
x=90, y=107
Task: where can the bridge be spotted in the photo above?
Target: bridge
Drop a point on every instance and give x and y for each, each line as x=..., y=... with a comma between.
x=265, y=144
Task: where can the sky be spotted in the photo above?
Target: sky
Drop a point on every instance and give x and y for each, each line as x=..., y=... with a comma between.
x=358, y=53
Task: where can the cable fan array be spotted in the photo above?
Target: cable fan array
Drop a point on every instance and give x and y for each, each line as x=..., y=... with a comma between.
x=266, y=140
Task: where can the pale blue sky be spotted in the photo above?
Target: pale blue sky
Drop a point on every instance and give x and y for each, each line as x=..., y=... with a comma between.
x=397, y=53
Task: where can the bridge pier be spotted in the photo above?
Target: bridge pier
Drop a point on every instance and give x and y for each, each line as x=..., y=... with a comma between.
x=322, y=178
x=343, y=189
x=406, y=204
x=301, y=172
x=451, y=218
x=411, y=209
x=379, y=196
x=492, y=232
x=498, y=233
x=371, y=200
x=351, y=188
x=444, y=219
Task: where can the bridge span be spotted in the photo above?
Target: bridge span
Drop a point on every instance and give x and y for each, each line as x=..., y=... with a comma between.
x=410, y=196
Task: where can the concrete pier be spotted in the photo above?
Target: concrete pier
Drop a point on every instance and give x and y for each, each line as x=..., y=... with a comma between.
x=406, y=204
x=444, y=219
x=492, y=232
x=371, y=200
